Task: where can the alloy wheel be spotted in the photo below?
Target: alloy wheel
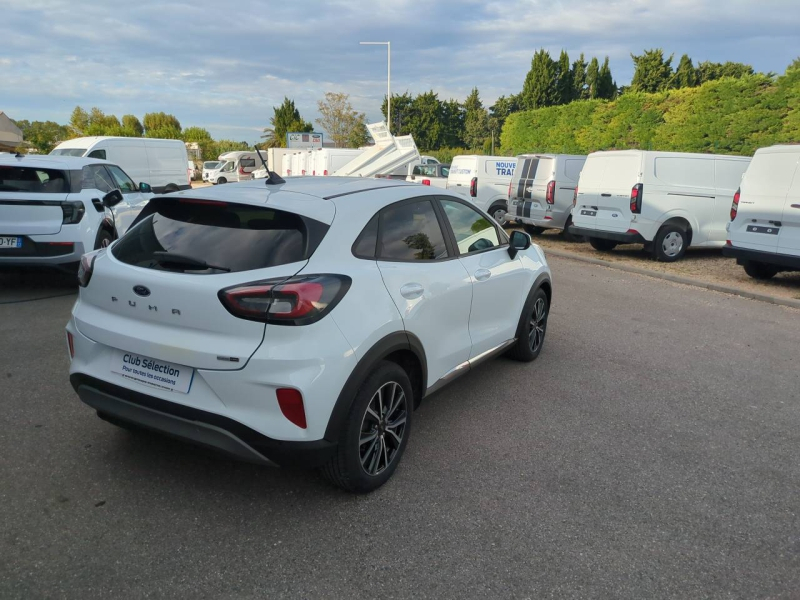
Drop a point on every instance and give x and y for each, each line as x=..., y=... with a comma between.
x=537, y=325
x=382, y=428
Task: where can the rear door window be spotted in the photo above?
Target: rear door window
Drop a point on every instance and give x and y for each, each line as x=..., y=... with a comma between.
x=211, y=237
x=121, y=180
x=95, y=177
x=33, y=180
x=97, y=154
x=410, y=231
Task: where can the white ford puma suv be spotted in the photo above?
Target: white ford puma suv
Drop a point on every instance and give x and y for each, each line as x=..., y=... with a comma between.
x=301, y=323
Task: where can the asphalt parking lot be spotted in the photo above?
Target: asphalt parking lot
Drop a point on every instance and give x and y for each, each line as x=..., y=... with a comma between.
x=651, y=452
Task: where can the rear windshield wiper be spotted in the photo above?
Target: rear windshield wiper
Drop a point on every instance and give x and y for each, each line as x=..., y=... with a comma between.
x=180, y=260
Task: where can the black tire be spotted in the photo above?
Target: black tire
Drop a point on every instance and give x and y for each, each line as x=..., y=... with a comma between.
x=532, y=328
x=670, y=243
x=533, y=229
x=759, y=270
x=171, y=187
x=571, y=237
x=221, y=180
x=602, y=245
x=104, y=238
x=345, y=469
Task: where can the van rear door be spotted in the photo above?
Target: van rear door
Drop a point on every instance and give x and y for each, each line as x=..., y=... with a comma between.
x=462, y=170
x=519, y=197
x=613, y=196
x=759, y=218
x=31, y=202
x=537, y=188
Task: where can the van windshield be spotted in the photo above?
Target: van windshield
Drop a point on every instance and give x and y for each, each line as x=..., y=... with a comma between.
x=211, y=164
x=68, y=151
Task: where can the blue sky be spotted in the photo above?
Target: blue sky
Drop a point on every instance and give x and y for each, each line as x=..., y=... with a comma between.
x=224, y=65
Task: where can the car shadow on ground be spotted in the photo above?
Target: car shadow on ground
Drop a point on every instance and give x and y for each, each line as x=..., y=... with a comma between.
x=30, y=283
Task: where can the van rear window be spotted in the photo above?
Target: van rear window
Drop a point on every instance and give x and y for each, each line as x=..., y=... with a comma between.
x=204, y=237
x=32, y=180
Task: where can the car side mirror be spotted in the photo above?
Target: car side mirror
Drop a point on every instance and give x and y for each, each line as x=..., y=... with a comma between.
x=519, y=241
x=145, y=188
x=112, y=198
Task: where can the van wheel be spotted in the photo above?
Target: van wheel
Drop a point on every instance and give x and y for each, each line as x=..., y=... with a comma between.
x=104, y=239
x=498, y=213
x=670, y=243
x=531, y=328
x=570, y=237
x=533, y=229
x=759, y=270
x=222, y=180
x=602, y=245
x=376, y=432
x=171, y=187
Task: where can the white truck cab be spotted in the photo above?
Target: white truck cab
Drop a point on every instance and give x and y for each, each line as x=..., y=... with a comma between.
x=541, y=192
x=764, y=232
x=667, y=201
x=54, y=209
x=484, y=181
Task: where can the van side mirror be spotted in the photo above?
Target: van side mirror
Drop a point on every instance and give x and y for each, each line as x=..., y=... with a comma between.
x=145, y=188
x=519, y=241
x=112, y=198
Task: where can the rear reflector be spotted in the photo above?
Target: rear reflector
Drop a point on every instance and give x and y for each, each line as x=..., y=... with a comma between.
x=59, y=243
x=71, y=344
x=548, y=218
x=426, y=182
x=291, y=403
x=633, y=231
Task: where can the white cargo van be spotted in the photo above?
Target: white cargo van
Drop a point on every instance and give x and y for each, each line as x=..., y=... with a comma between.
x=764, y=232
x=667, y=201
x=542, y=190
x=161, y=163
x=326, y=161
x=484, y=180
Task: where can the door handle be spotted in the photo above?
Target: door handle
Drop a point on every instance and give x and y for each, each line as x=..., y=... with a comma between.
x=606, y=195
x=482, y=274
x=795, y=205
x=410, y=291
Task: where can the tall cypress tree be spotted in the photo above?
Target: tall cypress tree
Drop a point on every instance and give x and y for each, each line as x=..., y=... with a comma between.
x=606, y=88
x=653, y=72
x=476, y=121
x=579, y=79
x=539, y=88
x=592, y=76
x=564, y=85
x=685, y=74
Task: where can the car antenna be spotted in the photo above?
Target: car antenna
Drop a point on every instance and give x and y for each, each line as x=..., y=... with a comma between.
x=272, y=177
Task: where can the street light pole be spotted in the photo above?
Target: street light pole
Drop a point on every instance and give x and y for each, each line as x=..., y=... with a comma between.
x=388, y=79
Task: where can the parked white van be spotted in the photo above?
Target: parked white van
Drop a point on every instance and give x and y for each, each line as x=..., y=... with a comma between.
x=326, y=161
x=161, y=163
x=764, y=232
x=542, y=190
x=484, y=180
x=667, y=201
x=244, y=163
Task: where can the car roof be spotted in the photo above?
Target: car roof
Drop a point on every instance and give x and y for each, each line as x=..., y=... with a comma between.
x=48, y=161
x=307, y=196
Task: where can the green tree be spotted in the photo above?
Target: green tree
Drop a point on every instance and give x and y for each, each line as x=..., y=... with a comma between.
x=685, y=74
x=132, y=126
x=452, y=124
x=208, y=147
x=592, y=78
x=402, y=113
x=652, y=72
x=539, y=88
x=565, y=86
x=426, y=122
x=285, y=119
x=476, y=121
x=606, y=87
x=79, y=121
x=161, y=125
x=43, y=135
x=339, y=119
x=710, y=71
x=102, y=124
x=580, y=91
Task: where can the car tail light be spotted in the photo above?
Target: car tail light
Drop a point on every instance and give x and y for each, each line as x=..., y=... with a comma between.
x=72, y=212
x=735, y=205
x=473, y=187
x=71, y=345
x=299, y=300
x=288, y=172
x=575, y=197
x=303, y=172
x=636, y=198
x=291, y=403
x=550, y=195
x=86, y=267
x=325, y=172
x=426, y=182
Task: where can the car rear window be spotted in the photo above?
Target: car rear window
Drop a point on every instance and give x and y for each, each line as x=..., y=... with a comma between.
x=33, y=180
x=226, y=237
x=68, y=152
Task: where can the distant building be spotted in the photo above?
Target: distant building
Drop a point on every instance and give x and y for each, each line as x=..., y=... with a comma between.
x=10, y=134
x=193, y=151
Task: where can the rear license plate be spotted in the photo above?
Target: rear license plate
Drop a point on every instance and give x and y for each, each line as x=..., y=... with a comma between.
x=589, y=213
x=157, y=373
x=10, y=242
x=763, y=229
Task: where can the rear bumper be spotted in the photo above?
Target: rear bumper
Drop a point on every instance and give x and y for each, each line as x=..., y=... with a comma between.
x=743, y=255
x=198, y=426
x=42, y=253
x=621, y=237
